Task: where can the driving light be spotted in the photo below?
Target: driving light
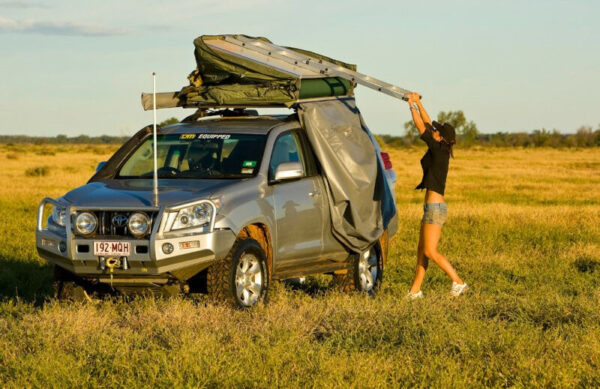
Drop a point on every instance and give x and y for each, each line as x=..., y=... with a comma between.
x=138, y=224
x=193, y=216
x=86, y=223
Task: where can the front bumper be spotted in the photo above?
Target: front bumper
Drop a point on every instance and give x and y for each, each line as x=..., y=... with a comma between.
x=151, y=266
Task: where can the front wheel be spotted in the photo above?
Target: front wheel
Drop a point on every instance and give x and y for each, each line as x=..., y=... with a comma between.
x=240, y=278
x=364, y=273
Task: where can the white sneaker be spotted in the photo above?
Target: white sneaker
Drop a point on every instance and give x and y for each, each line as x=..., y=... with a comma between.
x=458, y=289
x=414, y=296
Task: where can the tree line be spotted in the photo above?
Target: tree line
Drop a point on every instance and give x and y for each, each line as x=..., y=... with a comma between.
x=63, y=139
x=467, y=135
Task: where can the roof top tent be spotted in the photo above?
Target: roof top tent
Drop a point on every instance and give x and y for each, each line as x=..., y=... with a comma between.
x=238, y=71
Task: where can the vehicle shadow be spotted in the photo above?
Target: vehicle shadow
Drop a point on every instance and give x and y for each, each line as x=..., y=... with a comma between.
x=29, y=281
x=311, y=286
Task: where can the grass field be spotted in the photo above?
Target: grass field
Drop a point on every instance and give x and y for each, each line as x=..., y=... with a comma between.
x=523, y=231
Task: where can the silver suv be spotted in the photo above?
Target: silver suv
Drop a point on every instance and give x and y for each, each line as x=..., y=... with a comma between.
x=242, y=203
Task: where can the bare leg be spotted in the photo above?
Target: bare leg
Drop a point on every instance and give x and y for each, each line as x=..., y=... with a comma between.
x=422, y=263
x=431, y=234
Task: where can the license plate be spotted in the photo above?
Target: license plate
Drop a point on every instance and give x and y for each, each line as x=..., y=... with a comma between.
x=112, y=249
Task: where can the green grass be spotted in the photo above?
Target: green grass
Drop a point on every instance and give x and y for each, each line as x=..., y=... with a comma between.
x=523, y=231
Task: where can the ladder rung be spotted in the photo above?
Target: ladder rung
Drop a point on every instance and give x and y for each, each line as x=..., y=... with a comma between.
x=297, y=64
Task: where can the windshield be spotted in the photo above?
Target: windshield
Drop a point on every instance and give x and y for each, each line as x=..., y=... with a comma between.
x=197, y=156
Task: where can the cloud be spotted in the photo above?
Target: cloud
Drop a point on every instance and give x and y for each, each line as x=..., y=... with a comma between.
x=158, y=27
x=56, y=28
x=22, y=4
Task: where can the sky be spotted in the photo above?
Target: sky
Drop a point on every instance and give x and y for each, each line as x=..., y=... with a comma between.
x=79, y=67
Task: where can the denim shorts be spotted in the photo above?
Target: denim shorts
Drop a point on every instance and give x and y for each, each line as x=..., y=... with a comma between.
x=435, y=213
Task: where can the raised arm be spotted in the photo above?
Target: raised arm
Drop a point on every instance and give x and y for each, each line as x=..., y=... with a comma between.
x=418, y=112
x=424, y=114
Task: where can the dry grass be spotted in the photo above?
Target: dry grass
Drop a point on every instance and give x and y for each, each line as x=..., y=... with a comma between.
x=523, y=230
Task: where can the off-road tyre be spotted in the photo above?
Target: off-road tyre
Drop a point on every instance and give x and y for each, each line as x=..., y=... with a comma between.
x=351, y=280
x=221, y=276
x=67, y=286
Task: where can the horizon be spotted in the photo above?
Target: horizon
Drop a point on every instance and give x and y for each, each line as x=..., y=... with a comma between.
x=510, y=67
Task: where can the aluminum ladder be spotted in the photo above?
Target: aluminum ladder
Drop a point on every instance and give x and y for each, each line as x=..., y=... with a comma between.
x=295, y=63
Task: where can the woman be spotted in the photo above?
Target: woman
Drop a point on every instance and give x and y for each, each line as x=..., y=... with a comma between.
x=439, y=139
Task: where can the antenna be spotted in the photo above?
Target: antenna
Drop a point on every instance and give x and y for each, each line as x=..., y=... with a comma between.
x=155, y=180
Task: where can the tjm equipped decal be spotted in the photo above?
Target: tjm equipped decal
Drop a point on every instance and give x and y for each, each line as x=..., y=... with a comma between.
x=214, y=136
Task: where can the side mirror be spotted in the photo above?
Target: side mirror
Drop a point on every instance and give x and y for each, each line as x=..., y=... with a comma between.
x=289, y=171
x=100, y=166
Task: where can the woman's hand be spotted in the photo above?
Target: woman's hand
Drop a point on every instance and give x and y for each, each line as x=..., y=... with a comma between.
x=413, y=101
x=413, y=97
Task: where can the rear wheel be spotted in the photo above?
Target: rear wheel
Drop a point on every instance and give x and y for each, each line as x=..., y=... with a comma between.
x=364, y=273
x=242, y=277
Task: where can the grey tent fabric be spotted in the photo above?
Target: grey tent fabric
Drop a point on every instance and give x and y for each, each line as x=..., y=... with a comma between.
x=348, y=158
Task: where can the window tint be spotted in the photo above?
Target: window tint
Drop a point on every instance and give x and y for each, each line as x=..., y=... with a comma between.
x=286, y=149
x=197, y=156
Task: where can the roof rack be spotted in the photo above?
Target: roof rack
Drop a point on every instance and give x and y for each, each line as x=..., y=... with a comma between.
x=203, y=112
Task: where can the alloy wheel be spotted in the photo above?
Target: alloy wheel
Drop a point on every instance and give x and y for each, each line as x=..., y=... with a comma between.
x=248, y=280
x=368, y=270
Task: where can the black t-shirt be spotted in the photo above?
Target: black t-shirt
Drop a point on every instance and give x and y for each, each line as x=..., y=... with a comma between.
x=434, y=164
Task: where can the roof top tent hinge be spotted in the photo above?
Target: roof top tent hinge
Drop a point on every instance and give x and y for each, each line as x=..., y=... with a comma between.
x=297, y=64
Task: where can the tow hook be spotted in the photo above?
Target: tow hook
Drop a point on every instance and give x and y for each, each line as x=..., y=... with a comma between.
x=111, y=263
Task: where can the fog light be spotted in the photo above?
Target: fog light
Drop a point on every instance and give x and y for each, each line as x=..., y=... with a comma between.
x=167, y=248
x=62, y=246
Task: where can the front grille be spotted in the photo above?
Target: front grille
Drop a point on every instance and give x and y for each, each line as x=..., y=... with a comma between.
x=113, y=224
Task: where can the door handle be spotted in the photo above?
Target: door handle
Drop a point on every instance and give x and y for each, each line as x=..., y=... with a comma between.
x=314, y=193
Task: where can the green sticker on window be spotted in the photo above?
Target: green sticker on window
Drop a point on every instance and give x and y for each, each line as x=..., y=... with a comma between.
x=249, y=164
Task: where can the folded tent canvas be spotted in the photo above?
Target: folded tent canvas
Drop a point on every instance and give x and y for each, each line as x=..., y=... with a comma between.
x=224, y=79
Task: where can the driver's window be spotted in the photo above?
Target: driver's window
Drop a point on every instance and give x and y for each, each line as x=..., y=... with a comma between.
x=286, y=149
x=142, y=160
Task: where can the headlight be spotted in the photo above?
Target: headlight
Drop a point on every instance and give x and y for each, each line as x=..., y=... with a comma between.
x=138, y=224
x=86, y=223
x=59, y=215
x=193, y=216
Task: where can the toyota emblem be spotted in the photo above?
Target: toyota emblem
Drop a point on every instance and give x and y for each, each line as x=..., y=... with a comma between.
x=119, y=220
